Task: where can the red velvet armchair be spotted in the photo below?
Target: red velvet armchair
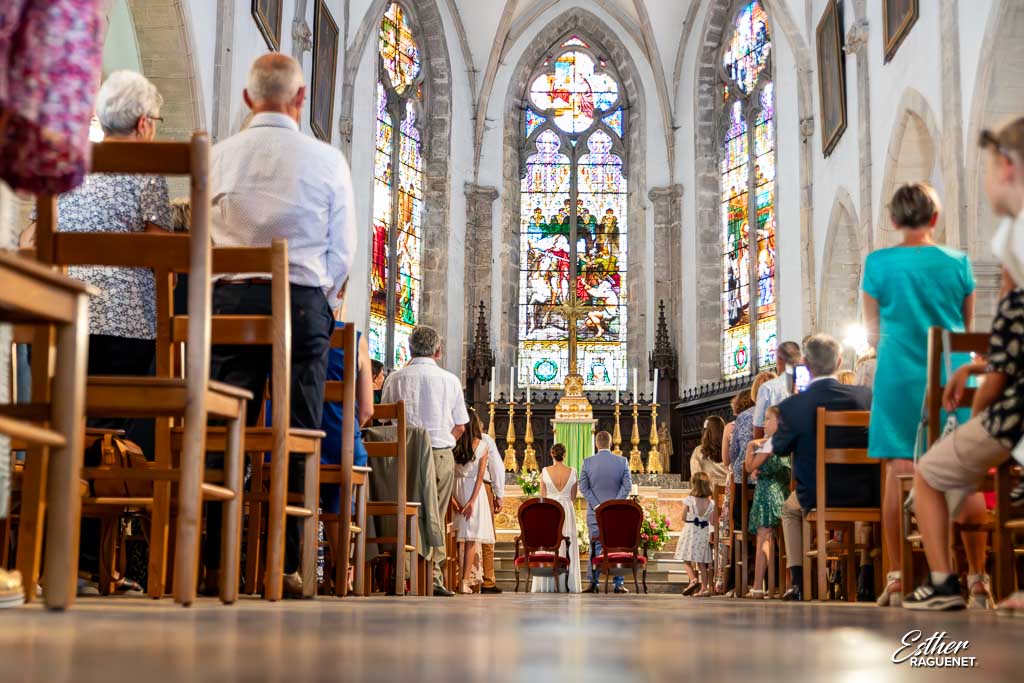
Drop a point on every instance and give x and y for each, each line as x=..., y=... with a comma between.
x=618, y=528
x=541, y=537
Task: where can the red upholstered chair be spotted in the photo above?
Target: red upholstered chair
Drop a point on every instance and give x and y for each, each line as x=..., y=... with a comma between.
x=540, y=533
x=618, y=528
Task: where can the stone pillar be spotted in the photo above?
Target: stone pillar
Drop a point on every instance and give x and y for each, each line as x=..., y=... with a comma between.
x=667, y=203
x=479, y=240
x=857, y=43
x=951, y=152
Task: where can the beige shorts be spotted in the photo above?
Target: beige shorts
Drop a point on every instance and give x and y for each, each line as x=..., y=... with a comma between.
x=957, y=464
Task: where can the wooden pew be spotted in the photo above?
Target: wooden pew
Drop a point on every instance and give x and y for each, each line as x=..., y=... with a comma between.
x=51, y=426
x=400, y=508
x=818, y=520
x=164, y=396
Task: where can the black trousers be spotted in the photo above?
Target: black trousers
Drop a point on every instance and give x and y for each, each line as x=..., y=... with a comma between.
x=115, y=356
x=249, y=367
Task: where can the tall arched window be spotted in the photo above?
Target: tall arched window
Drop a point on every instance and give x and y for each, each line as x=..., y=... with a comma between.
x=748, y=189
x=395, y=277
x=573, y=183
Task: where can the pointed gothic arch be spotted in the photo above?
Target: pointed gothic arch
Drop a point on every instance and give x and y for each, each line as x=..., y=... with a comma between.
x=841, y=268
x=603, y=42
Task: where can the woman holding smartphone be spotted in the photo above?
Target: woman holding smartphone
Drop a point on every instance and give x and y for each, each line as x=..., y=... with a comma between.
x=908, y=288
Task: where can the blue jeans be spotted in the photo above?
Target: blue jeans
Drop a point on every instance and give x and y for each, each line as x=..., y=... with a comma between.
x=595, y=573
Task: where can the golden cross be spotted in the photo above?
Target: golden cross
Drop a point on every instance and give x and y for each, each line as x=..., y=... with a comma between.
x=572, y=310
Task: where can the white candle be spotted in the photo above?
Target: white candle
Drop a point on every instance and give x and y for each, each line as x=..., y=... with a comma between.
x=527, y=392
x=511, y=383
x=616, y=395
x=654, y=397
x=636, y=394
x=493, y=369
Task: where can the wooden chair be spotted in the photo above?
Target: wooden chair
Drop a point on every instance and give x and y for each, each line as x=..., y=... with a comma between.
x=618, y=528
x=541, y=537
x=351, y=480
x=280, y=439
x=1008, y=528
x=818, y=520
x=52, y=426
x=742, y=540
x=400, y=508
x=164, y=396
x=959, y=342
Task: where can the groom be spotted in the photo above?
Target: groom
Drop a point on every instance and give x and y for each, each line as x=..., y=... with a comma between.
x=605, y=476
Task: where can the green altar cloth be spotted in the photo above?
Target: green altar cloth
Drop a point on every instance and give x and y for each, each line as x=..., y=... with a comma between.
x=578, y=438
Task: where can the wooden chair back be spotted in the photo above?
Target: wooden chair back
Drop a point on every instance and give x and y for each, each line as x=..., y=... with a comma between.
x=343, y=391
x=540, y=525
x=959, y=342
x=618, y=525
x=395, y=412
x=838, y=456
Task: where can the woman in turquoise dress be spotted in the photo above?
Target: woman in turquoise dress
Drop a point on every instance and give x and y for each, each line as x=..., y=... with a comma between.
x=908, y=289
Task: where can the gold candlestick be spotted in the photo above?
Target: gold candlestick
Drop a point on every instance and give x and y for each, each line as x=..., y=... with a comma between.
x=654, y=457
x=617, y=434
x=529, y=455
x=636, y=461
x=510, y=453
x=490, y=412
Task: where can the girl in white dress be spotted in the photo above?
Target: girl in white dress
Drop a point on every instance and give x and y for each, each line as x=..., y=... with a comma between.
x=558, y=483
x=473, y=524
x=700, y=518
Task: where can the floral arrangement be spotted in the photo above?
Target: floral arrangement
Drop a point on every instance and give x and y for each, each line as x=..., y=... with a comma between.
x=529, y=482
x=654, y=530
x=583, y=533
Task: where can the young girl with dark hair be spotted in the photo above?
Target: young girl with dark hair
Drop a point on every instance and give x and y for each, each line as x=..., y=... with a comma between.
x=473, y=524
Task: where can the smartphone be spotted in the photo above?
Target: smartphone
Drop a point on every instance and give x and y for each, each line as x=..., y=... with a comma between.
x=801, y=378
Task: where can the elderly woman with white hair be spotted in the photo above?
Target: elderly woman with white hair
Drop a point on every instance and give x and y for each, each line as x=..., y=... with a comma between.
x=122, y=319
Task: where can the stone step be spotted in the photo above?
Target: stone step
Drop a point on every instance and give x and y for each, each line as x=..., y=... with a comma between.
x=653, y=587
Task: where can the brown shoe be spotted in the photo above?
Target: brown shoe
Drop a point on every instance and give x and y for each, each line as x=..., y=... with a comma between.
x=293, y=586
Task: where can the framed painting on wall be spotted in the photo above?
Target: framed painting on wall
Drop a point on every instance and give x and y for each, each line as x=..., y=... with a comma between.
x=831, y=77
x=325, y=68
x=267, y=14
x=899, y=18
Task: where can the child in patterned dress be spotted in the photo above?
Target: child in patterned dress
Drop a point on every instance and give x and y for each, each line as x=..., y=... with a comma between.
x=772, y=473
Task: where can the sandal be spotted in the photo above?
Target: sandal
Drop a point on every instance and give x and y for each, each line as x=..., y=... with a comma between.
x=755, y=594
x=892, y=596
x=979, y=592
x=1012, y=606
x=706, y=593
x=692, y=588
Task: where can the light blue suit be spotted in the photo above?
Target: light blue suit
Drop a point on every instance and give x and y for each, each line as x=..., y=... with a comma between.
x=605, y=476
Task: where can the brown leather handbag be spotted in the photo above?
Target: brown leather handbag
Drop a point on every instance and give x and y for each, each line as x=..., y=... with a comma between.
x=119, y=453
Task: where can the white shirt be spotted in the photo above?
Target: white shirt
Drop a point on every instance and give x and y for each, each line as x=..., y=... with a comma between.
x=1008, y=247
x=433, y=399
x=772, y=393
x=495, y=473
x=272, y=181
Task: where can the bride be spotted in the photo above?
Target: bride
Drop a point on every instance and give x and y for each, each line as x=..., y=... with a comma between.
x=558, y=482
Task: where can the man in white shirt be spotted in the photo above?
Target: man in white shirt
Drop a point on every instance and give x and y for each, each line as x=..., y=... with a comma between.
x=272, y=181
x=434, y=401
x=494, y=480
x=774, y=392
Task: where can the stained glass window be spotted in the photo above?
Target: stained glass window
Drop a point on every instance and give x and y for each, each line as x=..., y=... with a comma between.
x=396, y=273
x=574, y=175
x=747, y=173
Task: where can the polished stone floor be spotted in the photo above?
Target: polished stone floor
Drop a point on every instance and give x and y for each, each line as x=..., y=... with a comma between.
x=491, y=638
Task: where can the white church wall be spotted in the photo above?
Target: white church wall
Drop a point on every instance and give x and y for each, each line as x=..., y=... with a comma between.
x=789, y=276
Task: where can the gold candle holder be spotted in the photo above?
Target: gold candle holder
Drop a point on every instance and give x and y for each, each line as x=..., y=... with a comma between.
x=617, y=433
x=654, y=465
x=529, y=455
x=636, y=461
x=510, y=453
x=490, y=411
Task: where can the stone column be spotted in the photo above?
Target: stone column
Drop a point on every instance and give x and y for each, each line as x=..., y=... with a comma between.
x=667, y=203
x=951, y=153
x=857, y=43
x=479, y=253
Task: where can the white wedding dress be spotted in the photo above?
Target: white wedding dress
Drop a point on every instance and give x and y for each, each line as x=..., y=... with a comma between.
x=546, y=584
